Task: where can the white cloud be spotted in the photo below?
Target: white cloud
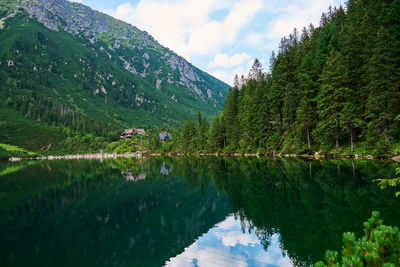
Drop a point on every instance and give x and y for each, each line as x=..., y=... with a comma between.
x=228, y=76
x=228, y=223
x=185, y=27
x=215, y=248
x=200, y=30
x=265, y=258
x=254, y=39
x=208, y=256
x=223, y=60
x=296, y=15
x=224, y=76
x=230, y=239
x=249, y=64
x=284, y=262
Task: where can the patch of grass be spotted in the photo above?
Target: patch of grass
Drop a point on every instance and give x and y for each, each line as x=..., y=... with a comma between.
x=12, y=148
x=15, y=167
x=23, y=137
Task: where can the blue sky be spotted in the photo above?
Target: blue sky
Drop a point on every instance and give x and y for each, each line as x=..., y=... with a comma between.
x=226, y=245
x=221, y=37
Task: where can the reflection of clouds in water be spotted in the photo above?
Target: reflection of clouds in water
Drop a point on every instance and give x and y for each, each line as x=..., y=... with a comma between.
x=196, y=256
x=226, y=245
x=283, y=262
x=230, y=239
x=228, y=223
x=269, y=259
x=273, y=257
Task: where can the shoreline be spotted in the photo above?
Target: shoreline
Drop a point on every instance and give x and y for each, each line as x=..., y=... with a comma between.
x=140, y=154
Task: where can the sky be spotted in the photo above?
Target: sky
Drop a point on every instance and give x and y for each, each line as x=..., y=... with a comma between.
x=226, y=245
x=221, y=37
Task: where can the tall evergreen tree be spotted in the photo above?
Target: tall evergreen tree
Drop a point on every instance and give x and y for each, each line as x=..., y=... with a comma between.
x=337, y=83
x=202, y=132
x=309, y=84
x=188, y=136
x=230, y=116
x=331, y=97
x=384, y=84
x=214, y=134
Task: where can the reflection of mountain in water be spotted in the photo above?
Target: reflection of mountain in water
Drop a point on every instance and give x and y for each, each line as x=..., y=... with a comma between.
x=86, y=213
x=308, y=203
x=95, y=217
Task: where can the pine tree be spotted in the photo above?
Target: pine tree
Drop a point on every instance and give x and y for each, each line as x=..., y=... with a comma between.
x=308, y=82
x=383, y=84
x=214, y=134
x=256, y=71
x=202, y=132
x=188, y=136
x=336, y=82
x=230, y=115
x=380, y=246
x=331, y=97
x=262, y=126
x=247, y=112
x=291, y=61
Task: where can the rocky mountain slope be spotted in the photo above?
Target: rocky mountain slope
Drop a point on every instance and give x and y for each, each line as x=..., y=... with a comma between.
x=84, y=61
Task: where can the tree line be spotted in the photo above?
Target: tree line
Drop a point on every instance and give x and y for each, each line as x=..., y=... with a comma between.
x=52, y=113
x=334, y=88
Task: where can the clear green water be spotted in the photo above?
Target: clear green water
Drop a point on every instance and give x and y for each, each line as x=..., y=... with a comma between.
x=205, y=211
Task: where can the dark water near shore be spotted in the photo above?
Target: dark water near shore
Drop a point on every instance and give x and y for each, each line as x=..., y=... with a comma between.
x=178, y=211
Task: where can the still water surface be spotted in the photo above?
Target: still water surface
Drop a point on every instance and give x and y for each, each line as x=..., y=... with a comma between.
x=177, y=211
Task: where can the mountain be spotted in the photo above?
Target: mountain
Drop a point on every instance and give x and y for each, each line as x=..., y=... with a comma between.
x=59, y=58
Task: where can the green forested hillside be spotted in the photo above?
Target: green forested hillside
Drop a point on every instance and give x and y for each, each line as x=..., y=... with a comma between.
x=65, y=65
x=57, y=66
x=333, y=89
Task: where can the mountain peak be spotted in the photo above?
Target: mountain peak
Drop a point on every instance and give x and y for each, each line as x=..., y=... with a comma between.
x=164, y=76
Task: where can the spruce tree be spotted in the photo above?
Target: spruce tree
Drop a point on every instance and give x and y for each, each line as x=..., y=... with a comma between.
x=309, y=84
x=188, y=136
x=230, y=115
x=331, y=97
x=214, y=134
x=201, y=132
x=383, y=75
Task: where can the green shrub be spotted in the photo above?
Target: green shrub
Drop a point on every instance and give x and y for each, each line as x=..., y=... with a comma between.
x=380, y=246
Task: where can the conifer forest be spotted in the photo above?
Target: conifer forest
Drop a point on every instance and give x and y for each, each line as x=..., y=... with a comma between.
x=332, y=88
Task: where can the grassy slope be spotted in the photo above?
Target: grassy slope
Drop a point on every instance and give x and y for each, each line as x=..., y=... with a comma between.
x=28, y=134
x=63, y=53
x=28, y=137
x=61, y=48
x=68, y=57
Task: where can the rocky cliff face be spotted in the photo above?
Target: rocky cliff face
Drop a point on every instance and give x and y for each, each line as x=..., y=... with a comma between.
x=99, y=66
x=163, y=67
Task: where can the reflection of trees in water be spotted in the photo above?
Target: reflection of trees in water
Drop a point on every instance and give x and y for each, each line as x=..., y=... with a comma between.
x=97, y=214
x=309, y=203
x=130, y=176
x=102, y=218
x=264, y=235
x=165, y=169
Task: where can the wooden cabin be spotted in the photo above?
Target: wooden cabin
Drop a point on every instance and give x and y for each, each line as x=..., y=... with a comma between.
x=128, y=133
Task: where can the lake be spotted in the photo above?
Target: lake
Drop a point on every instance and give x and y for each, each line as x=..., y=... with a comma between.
x=186, y=211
